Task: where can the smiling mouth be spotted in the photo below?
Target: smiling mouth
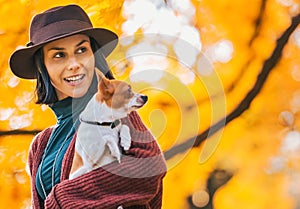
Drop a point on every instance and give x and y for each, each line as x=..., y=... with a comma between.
x=74, y=79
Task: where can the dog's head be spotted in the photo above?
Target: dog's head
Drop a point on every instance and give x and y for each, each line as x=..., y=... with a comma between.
x=118, y=95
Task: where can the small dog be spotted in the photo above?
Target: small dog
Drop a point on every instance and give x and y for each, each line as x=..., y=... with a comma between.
x=100, y=131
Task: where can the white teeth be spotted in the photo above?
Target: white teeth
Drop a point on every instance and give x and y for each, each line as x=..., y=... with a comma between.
x=74, y=78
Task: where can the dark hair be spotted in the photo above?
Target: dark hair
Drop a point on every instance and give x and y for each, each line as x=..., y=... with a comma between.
x=45, y=91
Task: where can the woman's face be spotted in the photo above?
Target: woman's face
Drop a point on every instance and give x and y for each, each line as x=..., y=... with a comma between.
x=70, y=64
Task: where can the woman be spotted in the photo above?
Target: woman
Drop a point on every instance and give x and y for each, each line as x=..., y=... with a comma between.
x=63, y=53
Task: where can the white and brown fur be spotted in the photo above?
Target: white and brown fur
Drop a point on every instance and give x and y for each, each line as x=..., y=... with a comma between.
x=98, y=145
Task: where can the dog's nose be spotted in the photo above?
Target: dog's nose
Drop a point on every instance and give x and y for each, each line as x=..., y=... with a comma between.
x=144, y=98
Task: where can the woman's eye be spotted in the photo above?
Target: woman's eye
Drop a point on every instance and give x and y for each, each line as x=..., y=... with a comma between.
x=59, y=55
x=82, y=50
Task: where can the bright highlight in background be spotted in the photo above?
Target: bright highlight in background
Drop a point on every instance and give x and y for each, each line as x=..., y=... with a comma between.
x=174, y=19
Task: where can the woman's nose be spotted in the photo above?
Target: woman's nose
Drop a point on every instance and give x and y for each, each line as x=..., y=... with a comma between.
x=73, y=64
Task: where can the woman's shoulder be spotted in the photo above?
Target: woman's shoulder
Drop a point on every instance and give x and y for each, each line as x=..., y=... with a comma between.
x=41, y=138
x=36, y=148
x=134, y=120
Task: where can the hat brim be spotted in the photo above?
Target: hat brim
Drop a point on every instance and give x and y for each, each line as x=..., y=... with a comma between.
x=22, y=60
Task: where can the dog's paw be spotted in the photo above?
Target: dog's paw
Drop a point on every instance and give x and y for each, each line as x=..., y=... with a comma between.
x=125, y=137
x=114, y=149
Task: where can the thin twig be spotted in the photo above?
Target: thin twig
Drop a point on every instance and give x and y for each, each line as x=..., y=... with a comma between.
x=258, y=21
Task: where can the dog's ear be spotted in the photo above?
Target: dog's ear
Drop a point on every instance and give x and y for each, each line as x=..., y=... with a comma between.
x=105, y=88
x=99, y=74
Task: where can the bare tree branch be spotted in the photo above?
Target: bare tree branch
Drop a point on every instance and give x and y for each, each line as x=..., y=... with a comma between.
x=269, y=64
x=19, y=132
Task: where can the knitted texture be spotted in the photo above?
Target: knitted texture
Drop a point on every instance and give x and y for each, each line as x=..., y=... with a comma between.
x=135, y=183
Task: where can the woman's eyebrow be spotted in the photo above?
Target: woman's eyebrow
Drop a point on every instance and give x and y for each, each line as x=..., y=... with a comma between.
x=81, y=42
x=56, y=48
x=61, y=48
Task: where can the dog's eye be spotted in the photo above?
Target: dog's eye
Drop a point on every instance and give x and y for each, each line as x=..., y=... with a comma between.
x=129, y=92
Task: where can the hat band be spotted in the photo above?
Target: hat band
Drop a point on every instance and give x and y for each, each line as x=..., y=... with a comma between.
x=57, y=29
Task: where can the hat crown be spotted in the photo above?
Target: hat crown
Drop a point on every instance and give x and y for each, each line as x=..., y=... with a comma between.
x=60, y=18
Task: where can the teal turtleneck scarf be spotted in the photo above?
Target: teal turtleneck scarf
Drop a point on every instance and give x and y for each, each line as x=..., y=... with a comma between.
x=67, y=112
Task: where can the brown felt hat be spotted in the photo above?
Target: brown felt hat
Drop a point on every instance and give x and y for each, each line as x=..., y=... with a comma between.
x=53, y=24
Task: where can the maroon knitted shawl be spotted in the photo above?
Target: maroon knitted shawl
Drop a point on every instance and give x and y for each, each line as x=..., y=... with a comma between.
x=135, y=183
